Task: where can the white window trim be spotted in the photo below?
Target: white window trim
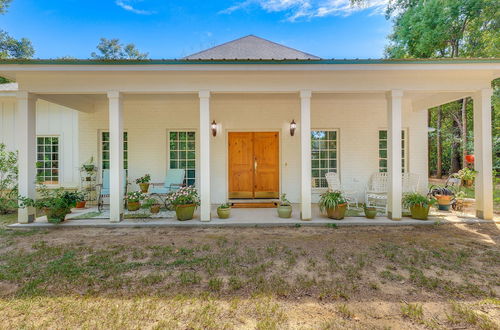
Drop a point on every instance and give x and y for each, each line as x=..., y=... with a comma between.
x=59, y=159
x=99, y=158
x=196, y=148
x=319, y=190
x=406, y=140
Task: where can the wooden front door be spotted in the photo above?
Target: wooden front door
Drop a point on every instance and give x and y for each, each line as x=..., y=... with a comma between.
x=253, y=165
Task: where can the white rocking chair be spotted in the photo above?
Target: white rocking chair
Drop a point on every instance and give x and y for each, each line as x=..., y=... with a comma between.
x=334, y=184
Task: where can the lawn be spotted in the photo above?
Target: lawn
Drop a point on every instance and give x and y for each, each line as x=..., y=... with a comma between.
x=441, y=276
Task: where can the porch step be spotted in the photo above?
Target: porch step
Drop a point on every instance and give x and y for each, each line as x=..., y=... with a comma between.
x=253, y=203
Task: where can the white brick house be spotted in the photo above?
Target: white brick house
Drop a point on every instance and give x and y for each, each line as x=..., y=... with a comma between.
x=371, y=115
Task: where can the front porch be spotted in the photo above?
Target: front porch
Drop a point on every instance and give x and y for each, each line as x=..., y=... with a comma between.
x=243, y=217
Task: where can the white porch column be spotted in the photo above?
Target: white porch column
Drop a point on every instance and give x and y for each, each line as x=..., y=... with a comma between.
x=394, y=126
x=205, y=137
x=26, y=145
x=116, y=172
x=305, y=152
x=483, y=153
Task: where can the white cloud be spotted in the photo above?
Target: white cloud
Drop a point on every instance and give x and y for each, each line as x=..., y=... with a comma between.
x=125, y=4
x=308, y=9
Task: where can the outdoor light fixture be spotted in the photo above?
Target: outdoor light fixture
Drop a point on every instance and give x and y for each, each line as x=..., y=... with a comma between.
x=293, y=126
x=214, y=128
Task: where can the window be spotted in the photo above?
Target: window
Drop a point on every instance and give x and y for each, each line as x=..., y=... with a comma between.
x=47, y=159
x=382, y=150
x=182, y=146
x=323, y=155
x=105, y=150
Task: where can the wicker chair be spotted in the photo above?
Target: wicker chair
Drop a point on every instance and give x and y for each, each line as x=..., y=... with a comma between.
x=376, y=193
x=334, y=184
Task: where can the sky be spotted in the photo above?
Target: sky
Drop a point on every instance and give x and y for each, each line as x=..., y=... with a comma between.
x=176, y=28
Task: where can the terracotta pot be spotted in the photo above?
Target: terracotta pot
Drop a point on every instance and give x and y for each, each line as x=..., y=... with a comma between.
x=284, y=211
x=337, y=213
x=133, y=206
x=370, y=212
x=185, y=212
x=419, y=212
x=144, y=187
x=155, y=209
x=56, y=215
x=468, y=183
x=81, y=205
x=224, y=213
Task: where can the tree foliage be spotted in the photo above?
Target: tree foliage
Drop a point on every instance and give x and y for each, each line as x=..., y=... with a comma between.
x=12, y=48
x=112, y=49
x=8, y=179
x=4, y=4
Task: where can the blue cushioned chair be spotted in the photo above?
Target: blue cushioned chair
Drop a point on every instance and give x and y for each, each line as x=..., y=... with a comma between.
x=173, y=181
x=104, y=188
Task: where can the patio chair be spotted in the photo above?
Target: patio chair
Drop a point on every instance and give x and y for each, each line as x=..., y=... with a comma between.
x=334, y=184
x=103, y=188
x=376, y=193
x=410, y=182
x=174, y=180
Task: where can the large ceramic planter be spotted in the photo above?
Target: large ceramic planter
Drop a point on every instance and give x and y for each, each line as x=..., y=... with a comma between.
x=337, y=213
x=80, y=205
x=133, y=206
x=144, y=187
x=370, y=212
x=419, y=212
x=444, y=202
x=155, y=209
x=56, y=215
x=284, y=211
x=224, y=213
x=185, y=212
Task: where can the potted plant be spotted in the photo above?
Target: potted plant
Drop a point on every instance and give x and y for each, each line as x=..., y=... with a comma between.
x=152, y=204
x=334, y=203
x=467, y=176
x=80, y=200
x=134, y=200
x=143, y=182
x=185, y=200
x=418, y=204
x=224, y=211
x=443, y=195
x=89, y=165
x=56, y=204
x=284, y=207
x=370, y=211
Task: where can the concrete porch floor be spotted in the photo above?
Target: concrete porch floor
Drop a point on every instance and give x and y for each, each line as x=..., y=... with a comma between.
x=256, y=217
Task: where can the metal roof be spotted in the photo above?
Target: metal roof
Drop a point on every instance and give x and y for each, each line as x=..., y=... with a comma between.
x=251, y=48
x=241, y=61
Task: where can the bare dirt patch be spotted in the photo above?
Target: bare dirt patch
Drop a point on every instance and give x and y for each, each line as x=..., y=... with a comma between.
x=439, y=276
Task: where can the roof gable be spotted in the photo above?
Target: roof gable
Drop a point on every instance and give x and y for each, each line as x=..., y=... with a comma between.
x=251, y=48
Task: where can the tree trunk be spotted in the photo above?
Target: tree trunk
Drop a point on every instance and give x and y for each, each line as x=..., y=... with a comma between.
x=439, y=147
x=464, y=131
x=456, y=155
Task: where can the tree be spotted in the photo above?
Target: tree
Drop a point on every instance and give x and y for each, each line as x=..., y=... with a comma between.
x=12, y=48
x=113, y=49
x=3, y=5
x=8, y=180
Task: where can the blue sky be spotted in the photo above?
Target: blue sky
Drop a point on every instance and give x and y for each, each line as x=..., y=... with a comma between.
x=176, y=28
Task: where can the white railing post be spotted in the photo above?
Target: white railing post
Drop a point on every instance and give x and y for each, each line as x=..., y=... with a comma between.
x=116, y=171
x=26, y=146
x=483, y=154
x=205, y=203
x=394, y=150
x=305, y=151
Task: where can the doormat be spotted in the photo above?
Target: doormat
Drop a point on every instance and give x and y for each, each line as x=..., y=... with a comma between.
x=254, y=205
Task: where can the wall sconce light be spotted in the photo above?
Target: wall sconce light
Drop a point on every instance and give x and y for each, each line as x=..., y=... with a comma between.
x=214, y=128
x=293, y=126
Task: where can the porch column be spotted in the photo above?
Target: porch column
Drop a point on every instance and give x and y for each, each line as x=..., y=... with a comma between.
x=204, y=155
x=116, y=172
x=394, y=150
x=305, y=151
x=26, y=146
x=483, y=153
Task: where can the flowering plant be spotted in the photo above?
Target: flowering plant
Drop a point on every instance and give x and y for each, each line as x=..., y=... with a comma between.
x=184, y=196
x=135, y=196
